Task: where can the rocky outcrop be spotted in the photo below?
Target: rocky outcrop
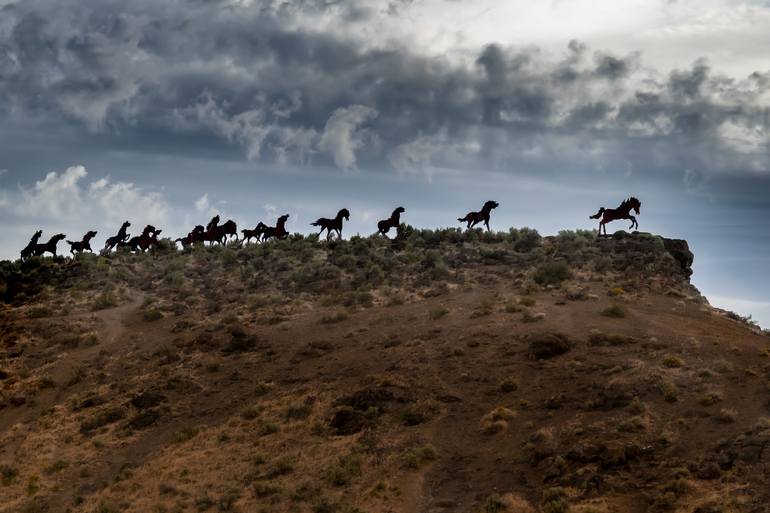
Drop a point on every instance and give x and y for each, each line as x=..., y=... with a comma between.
x=680, y=250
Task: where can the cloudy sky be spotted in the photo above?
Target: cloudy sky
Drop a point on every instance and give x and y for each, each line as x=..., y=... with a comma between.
x=167, y=112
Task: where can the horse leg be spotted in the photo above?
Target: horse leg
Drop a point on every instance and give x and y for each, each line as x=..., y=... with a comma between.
x=486, y=222
x=633, y=221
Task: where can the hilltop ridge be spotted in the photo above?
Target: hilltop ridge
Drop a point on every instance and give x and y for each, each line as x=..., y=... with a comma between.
x=444, y=371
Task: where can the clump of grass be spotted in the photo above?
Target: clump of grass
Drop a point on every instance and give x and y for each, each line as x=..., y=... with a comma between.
x=279, y=467
x=616, y=291
x=496, y=420
x=552, y=273
x=185, y=434
x=250, y=412
x=527, y=301
x=8, y=475
x=103, y=418
x=615, y=311
x=437, y=313
x=152, y=314
x=344, y=469
x=710, y=398
x=673, y=362
x=38, y=312
x=635, y=424
x=726, y=416
x=334, y=318
x=554, y=500
x=508, y=385
x=298, y=411
x=416, y=457
x=106, y=299
x=670, y=392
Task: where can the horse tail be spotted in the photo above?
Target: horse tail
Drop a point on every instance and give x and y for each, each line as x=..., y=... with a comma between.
x=317, y=223
x=598, y=214
x=70, y=242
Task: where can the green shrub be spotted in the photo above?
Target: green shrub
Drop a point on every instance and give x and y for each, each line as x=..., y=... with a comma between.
x=552, y=273
x=615, y=311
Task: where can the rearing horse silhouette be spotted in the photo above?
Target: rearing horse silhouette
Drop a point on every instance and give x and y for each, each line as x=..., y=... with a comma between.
x=393, y=221
x=608, y=215
x=474, y=218
x=278, y=231
x=332, y=224
x=113, y=241
x=30, y=247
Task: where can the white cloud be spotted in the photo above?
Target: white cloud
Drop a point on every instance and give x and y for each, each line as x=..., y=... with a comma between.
x=203, y=206
x=65, y=196
x=342, y=136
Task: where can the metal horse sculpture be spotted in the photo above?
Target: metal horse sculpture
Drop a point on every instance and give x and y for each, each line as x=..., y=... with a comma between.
x=474, y=218
x=608, y=215
x=332, y=224
x=393, y=221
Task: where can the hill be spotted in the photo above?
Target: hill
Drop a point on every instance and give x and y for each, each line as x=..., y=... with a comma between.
x=447, y=371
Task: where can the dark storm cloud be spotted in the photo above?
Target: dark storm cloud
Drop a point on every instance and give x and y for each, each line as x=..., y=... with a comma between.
x=252, y=77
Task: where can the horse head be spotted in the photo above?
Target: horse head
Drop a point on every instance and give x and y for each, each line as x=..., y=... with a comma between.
x=282, y=220
x=90, y=235
x=343, y=213
x=56, y=238
x=398, y=211
x=214, y=222
x=125, y=225
x=37, y=235
x=147, y=229
x=261, y=226
x=489, y=205
x=635, y=204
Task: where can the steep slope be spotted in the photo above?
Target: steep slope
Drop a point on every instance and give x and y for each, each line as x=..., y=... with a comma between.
x=444, y=372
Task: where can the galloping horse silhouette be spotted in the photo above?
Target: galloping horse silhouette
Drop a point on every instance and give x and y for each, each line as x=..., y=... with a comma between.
x=30, y=247
x=82, y=245
x=116, y=239
x=474, y=218
x=140, y=242
x=219, y=233
x=332, y=224
x=256, y=232
x=393, y=221
x=622, y=212
x=48, y=247
x=195, y=236
x=278, y=231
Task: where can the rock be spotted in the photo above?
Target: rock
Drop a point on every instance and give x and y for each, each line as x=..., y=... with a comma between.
x=143, y=419
x=547, y=345
x=17, y=400
x=147, y=399
x=347, y=421
x=680, y=250
x=90, y=402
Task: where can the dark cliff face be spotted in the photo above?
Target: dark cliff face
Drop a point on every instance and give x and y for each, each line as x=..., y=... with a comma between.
x=680, y=250
x=648, y=253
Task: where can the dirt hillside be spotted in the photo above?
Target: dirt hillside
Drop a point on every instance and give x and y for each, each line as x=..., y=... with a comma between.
x=445, y=372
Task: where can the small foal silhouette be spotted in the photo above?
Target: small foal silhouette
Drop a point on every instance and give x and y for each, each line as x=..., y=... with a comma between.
x=608, y=215
x=332, y=224
x=82, y=245
x=120, y=238
x=48, y=247
x=393, y=221
x=30, y=247
x=474, y=218
x=257, y=232
x=278, y=231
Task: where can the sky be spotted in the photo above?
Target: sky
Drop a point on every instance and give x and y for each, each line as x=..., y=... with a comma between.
x=169, y=112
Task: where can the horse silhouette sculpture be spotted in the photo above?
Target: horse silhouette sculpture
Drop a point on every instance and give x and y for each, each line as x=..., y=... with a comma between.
x=608, y=215
x=332, y=224
x=140, y=242
x=29, y=249
x=278, y=231
x=219, y=233
x=194, y=237
x=257, y=232
x=394, y=221
x=82, y=245
x=48, y=247
x=120, y=238
x=474, y=218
